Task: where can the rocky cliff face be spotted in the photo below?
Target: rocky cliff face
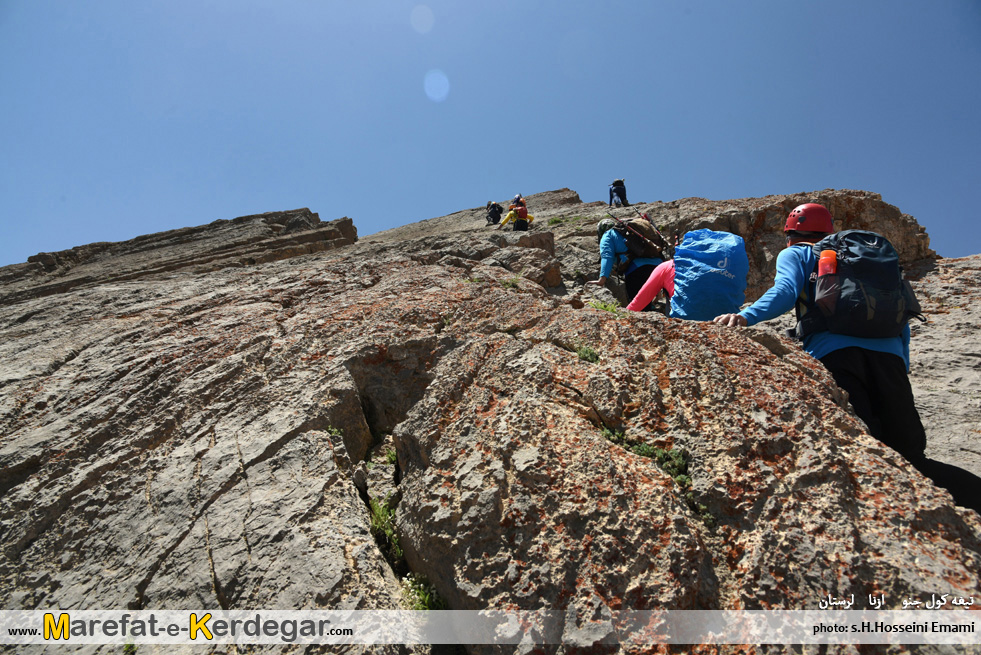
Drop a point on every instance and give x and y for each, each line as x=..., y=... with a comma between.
x=759, y=221
x=196, y=419
x=244, y=241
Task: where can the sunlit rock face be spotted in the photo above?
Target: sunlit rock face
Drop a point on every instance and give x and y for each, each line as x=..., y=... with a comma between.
x=196, y=419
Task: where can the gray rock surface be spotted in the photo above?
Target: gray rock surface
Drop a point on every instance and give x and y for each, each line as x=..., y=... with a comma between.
x=945, y=358
x=759, y=221
x=243, y=241
x=188, y=425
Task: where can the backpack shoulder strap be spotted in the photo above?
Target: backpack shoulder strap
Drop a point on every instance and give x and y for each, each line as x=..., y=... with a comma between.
x=809, y=320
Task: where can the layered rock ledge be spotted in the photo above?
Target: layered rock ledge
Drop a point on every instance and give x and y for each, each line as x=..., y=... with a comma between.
x=243, y=241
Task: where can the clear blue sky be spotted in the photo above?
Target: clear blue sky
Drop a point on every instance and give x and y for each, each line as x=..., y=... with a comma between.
x=125, y=117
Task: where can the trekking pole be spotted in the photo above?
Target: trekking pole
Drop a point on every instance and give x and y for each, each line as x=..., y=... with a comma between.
x=646, y=218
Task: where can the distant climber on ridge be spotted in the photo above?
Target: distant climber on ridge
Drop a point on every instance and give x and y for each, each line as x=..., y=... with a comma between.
x=518, y=214
x=618, y=192
x=870, y=362
x=494, y=211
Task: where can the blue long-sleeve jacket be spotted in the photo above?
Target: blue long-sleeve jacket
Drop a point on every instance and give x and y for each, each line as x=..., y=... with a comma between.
x=613, y=250
x=794, y=268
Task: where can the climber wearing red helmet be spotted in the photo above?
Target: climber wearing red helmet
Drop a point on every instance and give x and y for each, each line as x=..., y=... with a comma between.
x=874, y=371
x=810, y=218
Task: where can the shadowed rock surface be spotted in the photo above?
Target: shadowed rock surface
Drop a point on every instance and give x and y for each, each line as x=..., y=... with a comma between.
x=183, y=427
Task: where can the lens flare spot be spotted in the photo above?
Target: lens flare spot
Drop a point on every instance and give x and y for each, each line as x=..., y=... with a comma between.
x=422, y=19
x=437, y=85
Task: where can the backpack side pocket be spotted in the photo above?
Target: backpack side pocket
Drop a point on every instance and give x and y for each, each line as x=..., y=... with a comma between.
x=827, y=290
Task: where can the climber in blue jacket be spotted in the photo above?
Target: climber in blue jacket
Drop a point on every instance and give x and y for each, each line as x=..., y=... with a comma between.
x=874, y=371
x=614, y=253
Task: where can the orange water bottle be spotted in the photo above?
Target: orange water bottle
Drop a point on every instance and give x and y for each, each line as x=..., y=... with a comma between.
x=828, y=263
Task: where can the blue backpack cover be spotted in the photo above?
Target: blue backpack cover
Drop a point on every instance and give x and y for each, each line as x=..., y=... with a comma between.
x=710, y=270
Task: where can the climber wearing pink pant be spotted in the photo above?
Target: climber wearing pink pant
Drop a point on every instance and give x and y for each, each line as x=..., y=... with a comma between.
x=661, y=278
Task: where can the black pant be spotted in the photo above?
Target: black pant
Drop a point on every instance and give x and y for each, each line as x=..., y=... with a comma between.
x=621, y=192
x=635, y=279
x=879, y=391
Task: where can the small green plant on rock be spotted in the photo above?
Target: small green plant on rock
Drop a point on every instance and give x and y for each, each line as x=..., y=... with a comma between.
x=643, y=449
x=614, y=436
x=420, y=594
x=392, y=456
x=587, y=354
x=513, y=282
x=675, y=464
x=672, y=462
x=559, y=220
x=383, y=529
x=613, y=307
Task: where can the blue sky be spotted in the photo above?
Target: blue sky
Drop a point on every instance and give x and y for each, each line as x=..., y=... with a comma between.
x=124, y=117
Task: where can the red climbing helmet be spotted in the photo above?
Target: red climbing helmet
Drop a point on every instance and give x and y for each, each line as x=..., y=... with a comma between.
x=809, y=217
